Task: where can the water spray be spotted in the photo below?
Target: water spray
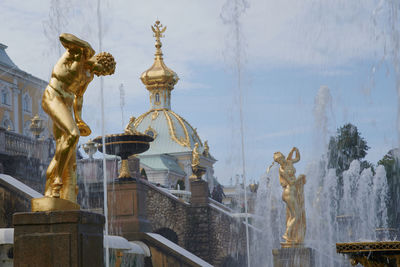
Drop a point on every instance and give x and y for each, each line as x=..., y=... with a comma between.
x=232, y=10
x=122, y=102
x=107, y=264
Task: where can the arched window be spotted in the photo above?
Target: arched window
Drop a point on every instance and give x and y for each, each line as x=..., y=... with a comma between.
x=157, y=98
x=5, y=97
x=27, y=103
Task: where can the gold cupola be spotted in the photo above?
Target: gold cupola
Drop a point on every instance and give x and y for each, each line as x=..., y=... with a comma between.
x=159, y=79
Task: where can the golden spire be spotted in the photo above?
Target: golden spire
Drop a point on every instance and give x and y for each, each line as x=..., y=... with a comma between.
x=159, y=79
x=158, y=33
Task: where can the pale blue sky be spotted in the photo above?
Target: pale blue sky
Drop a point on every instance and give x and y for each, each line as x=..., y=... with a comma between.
x=290, y=49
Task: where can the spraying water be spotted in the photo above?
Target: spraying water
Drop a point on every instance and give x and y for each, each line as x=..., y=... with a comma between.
x=386, y=19
x=122, y=102
x=105, y=208
x=231, y=14
x=331, y=217
x=322, y=110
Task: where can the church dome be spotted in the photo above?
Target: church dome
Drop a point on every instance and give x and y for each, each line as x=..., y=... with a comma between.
x=171, y=132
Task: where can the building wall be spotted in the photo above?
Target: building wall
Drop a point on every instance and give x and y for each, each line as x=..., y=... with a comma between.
x=24, y=93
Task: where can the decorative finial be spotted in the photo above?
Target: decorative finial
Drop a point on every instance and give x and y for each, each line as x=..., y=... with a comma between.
x=158, y=30
x=158, y=33
x=36, y=126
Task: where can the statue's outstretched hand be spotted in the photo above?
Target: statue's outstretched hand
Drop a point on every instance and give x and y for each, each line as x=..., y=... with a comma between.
x=83, y=128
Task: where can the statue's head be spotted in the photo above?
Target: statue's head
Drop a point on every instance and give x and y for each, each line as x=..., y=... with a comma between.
x=279, y=157
x=103, y=64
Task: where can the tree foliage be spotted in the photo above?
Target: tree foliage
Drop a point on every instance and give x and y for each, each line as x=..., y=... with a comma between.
x=345, y=147
x=391, y=162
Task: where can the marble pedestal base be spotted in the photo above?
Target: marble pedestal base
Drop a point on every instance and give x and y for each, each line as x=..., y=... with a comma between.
x=58, y=238
x=293, y=257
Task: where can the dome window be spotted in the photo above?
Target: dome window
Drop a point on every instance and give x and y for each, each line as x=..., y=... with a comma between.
x=157, y=99
x=151, y=132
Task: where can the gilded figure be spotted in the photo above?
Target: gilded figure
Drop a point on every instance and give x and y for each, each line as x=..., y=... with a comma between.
x=206, y=151
x=293, y=196
x=130, y=127
x=197, y=170
x=195, y=156
x=62, y=101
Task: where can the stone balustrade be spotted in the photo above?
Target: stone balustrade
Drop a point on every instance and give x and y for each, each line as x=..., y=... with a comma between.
x=14, y=144
x=182, y=194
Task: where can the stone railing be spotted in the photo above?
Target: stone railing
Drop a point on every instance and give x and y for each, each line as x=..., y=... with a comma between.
x=182, y=194
x=15, y=144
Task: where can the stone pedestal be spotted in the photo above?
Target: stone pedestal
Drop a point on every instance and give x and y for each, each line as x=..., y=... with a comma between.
x=293, y=257
x=58, y=238
x=127, y=208
x=199, y=190
x=199, y=232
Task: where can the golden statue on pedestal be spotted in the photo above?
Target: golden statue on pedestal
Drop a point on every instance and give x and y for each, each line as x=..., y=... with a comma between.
x=197, y=170
x=62, y=101
x=293, y=196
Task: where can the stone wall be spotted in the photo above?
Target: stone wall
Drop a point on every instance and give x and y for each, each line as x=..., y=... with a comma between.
x=12, y=201
x=209, y=231
x=167, y=211
x=228, y=238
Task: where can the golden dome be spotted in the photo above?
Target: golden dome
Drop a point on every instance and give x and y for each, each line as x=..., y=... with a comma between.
x=159, y=76
x=171, y=132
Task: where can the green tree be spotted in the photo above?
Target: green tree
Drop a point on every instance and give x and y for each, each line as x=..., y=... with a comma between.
x=345, y=147
x=391, y=162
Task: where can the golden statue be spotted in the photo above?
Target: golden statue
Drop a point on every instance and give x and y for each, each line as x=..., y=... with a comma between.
x=206, y=151
x=62, y=100
x=195, y=156
x=130, y=127
x=293, y=196
x=197, y=170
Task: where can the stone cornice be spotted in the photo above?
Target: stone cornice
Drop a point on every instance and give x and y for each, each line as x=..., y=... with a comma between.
x=4, y=70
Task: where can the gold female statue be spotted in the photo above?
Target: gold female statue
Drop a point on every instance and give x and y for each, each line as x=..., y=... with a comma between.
x=62, y=100
x=293, y=196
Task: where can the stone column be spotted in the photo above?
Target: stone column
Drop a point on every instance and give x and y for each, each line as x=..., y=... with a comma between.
x=199, y=190
x=60, y=238
x=198, y=240
x=16, y=110
x=127, y=208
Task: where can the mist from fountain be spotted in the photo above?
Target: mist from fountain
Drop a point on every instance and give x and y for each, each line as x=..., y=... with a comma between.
x=332, y=215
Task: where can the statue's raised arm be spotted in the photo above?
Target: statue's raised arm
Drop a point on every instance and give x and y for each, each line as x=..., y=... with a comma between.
x=290, y=155
x=71, y=42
